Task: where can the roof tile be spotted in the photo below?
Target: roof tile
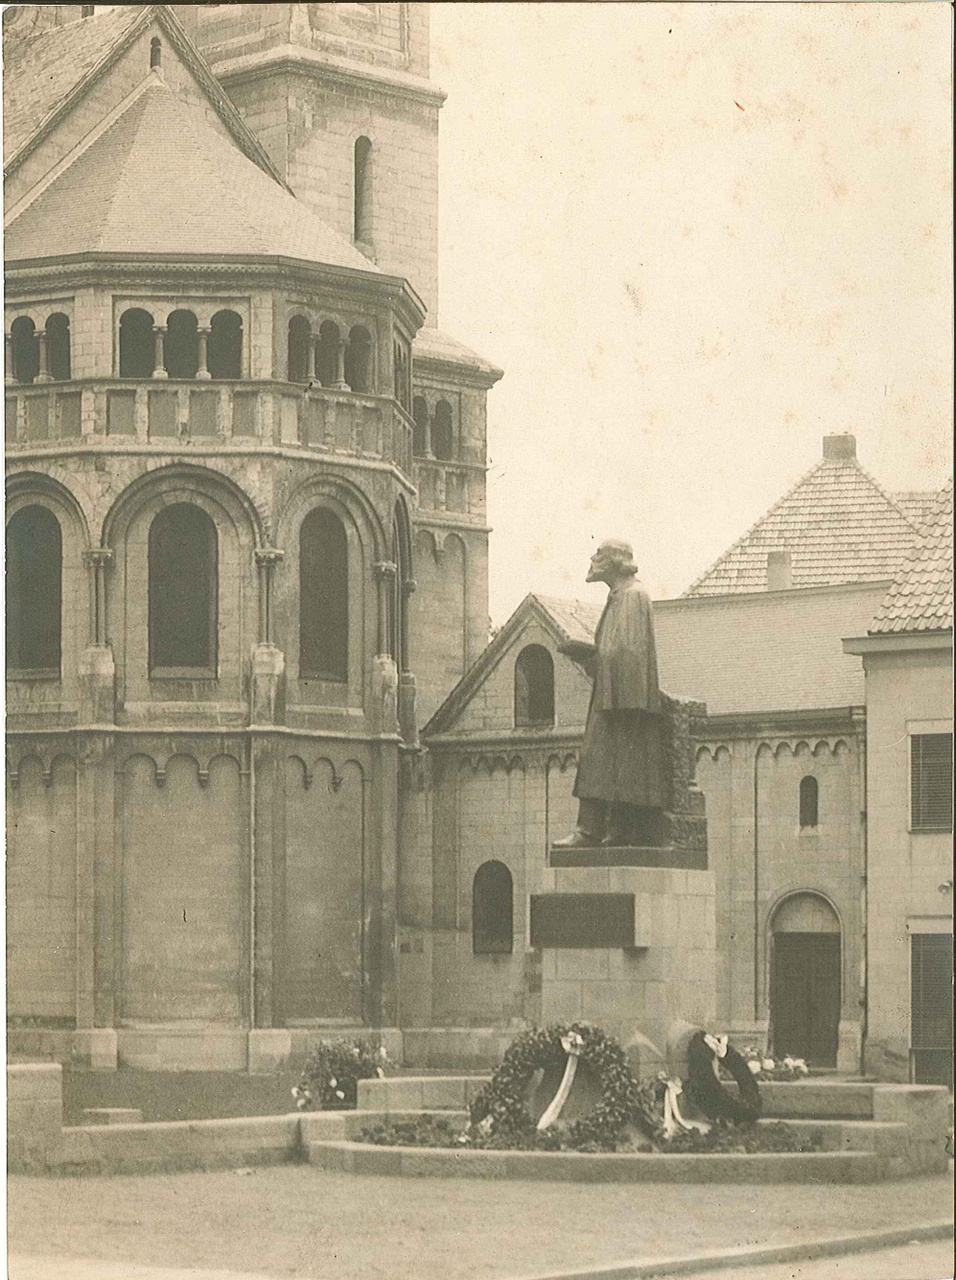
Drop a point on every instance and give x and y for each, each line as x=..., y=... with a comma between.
x=922, y=597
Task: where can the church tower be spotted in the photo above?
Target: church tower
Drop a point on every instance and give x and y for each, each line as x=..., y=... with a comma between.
x=339, y=96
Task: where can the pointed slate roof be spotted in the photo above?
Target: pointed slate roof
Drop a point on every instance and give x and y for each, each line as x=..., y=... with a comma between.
x=922, y=597
x=162, y=180
x=48, y=66
x=51, y=71
x=837, y=523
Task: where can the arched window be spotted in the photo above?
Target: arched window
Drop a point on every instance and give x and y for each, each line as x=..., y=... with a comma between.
x=58, y=346
x=155, y=52
x=534, y=687
x=327, y=353
x=420, y=434
x=492, y=910
x=34, y=590
x=26, y=349
x=225, y=345
x=182, y=345
x=137, y=344
x=443, y=432
x=809, y=802
x=362, y=228
x=183, y=604
x=300, y=336
x=401, y=373
x=358, y=358
x=323, y=597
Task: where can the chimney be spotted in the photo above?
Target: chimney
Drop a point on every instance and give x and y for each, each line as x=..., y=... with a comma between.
x=841, y=448
x=779, y=569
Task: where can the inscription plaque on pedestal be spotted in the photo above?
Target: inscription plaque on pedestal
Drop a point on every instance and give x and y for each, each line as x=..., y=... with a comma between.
x=583, y=920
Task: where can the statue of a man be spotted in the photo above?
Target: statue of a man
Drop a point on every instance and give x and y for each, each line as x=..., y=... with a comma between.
x=621, y=772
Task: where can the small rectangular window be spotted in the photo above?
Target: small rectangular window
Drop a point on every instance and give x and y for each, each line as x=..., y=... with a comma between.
x=931, y=782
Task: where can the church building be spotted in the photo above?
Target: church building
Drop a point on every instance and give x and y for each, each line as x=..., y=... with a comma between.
x=267, y=779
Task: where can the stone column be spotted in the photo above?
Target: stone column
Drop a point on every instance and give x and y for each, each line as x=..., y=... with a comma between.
x=427, y=453
x=97, y=669
x=268, y=661
x=340, y=384
x=313, y=358
x=385, y=572
x=407, y=720
x=44, y=371
x=202, y=373
x=159, y=351
x=9, y=375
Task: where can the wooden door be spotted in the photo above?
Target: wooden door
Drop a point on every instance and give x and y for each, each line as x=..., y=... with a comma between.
x=805, y=996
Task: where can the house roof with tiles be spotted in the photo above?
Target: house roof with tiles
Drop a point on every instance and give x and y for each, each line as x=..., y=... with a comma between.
x=162, y=180
x=57, y=67
x=837, y=524
x=921, y=599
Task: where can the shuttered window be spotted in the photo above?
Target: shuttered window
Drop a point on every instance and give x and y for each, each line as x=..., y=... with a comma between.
x=932, y=1007
x=931, y=782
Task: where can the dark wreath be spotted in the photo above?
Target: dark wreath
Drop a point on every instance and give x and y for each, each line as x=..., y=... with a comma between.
x=503, y=1098
x=706, y=1091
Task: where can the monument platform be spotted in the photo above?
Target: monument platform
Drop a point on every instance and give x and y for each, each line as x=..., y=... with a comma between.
x=669, y=856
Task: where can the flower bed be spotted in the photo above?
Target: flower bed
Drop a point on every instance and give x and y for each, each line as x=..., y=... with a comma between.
x=436, y=1132
x=332, y=1072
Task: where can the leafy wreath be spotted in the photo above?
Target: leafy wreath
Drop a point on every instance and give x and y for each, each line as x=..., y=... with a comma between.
x=501, y=1108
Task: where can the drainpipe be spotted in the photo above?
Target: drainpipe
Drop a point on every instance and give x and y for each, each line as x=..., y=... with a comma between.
x=860, y=717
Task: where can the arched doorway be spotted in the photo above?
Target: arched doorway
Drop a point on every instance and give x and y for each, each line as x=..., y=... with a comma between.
x=805, y=963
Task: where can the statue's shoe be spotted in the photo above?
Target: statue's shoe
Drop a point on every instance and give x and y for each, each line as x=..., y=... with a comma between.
x=577, y=840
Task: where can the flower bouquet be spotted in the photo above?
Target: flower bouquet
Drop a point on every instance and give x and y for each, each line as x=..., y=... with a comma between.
x=764, y=1067
x=332, y=1072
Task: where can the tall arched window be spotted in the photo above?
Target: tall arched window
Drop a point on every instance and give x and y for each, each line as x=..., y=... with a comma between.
x=327, y=353
x=809, y=802
x=26, y=349
x=34, y=590
x=492, y=910
x=534, y=687
x=300, y=336
x=182, y=345
x=58, y=346
x=225, y=345
x=362, y=228
x=443, y=432
x=137, y=344
x=323, y=597
x=420, y=434
x=358, y=358
x=183, y=592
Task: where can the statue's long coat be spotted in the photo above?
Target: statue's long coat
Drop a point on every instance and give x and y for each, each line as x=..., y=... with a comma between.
x=622, y=756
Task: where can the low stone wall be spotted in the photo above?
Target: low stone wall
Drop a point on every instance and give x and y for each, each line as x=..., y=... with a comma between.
x=34, y=1115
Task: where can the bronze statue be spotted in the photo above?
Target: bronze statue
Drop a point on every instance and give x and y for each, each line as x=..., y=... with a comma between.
x=620, y=784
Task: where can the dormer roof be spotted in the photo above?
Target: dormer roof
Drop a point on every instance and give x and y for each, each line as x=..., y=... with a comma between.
x=838, y=525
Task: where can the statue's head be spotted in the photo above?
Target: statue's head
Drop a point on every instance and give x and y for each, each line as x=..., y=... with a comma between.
x=613, y=559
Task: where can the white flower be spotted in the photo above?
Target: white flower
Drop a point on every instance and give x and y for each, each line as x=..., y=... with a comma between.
x=767, y=1064
x=380, y=1073
x=332, y=1082
x=340, y=1094
x=754, y=1065
x=383, y=1054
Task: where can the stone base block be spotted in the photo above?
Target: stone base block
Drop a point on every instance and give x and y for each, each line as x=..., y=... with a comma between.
x=34, y=1115
x=95, y=1048
x=112, y=1115
x=269, y=1050
x=183, y=1049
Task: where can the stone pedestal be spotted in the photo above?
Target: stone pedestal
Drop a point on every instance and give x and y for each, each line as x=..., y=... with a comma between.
x=628, y=934
x=95, y=1047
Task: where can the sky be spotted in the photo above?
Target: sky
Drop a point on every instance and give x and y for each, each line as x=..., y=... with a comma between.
x=698, y=238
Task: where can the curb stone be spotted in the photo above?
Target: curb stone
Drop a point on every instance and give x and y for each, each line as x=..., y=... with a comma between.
x=754, y=1255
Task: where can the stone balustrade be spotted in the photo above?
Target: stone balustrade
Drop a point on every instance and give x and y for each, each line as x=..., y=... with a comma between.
x=241, y=414
x=455, y=487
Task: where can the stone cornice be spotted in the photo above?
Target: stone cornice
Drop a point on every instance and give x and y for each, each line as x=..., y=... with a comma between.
x=295, y=60
x=781, y=724
x=899, y=642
